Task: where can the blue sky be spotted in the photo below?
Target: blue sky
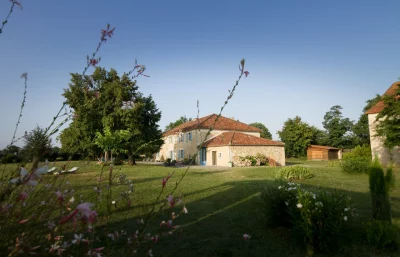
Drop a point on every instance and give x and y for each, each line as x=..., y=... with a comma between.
x=303, y=56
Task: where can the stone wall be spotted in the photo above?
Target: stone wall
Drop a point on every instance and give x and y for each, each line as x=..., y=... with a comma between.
x=275, y=152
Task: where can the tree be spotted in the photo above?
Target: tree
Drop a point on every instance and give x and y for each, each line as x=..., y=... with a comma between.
x=297, y=136
x=264, y=130
x=361, y=128
x=337, y=128
x=37, y=144
x=319, y=136
x=112, y=141
x=10, y=154
x=389, y=125
x=106, y=100
x=178, y=122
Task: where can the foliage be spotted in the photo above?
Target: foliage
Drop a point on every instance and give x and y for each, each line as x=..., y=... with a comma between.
x=357, y=161
x=264, y=130
x=36, y=145
x=382, y=234
x=360, y=129
x=317, y=218
x=320, y=219
x=107, y=100
x=276, y=202
x=187, y=161
x=337, y=128
x=11, y=154
x=379, y=185
x=319, y=136
x=389, y=124
x=176, y=123
x=293, y=172
x=112, y=141
x=297, y=136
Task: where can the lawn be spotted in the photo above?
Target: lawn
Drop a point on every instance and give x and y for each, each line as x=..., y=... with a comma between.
x=222, y=204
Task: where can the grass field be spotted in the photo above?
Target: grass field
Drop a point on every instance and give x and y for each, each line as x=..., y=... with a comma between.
x=223, y=204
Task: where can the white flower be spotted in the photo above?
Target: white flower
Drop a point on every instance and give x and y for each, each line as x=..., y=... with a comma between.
x=287, y=204
x=314, y=196
x=43, y=203
x=299, y=205
x=72, y=200
x=113, y=202
x=346, y=209
x=77, y=239
x=279, y=187
x=345, y=218
x=246, y=236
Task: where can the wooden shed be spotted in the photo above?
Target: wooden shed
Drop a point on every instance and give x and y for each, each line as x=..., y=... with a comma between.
x=320, y=152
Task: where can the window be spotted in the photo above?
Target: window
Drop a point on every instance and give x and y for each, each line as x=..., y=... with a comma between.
x=181, y=154
x=182, y=137
x=190, y=136
x=170, y=139
x=171, y=154
x=187, y=137
x=220, y=155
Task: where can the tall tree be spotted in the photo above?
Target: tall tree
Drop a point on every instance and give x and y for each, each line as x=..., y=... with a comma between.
x=36, y=145
x=107, y=100
x=319, y=136
x=389, y=124
x=297, y=136
x=178, y=122
x=264, y=130
x=337, y=128
x=361, y=128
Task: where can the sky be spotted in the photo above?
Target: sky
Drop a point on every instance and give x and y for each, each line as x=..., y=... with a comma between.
x=303, y=56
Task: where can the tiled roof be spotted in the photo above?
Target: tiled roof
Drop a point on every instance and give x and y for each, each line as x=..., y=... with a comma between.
x=380, y=105
x=324, y=147
x=222, y=123
x=238, y=138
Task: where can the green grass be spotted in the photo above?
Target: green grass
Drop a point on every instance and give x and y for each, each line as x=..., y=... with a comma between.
x=223, y=204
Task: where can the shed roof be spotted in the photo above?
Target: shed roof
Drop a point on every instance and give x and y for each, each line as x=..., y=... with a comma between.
x=378, y=107
x=324, y=147
x=235, y=138
x=206, y=122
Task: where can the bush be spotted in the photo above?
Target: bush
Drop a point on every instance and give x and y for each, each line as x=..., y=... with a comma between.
x=357, y=161
x=276, y=197
x=293, y=172
x=320, y=219
x=187, y=161
x=382, y=235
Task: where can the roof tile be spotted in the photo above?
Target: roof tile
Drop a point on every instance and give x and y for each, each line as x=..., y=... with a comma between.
x=206, y=122
x=238, y=138
x=378, y=107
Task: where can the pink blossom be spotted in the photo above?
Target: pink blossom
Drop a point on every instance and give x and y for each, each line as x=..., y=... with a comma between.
x=184, y=209
x=246, y=73
x=155, y=239
x=246, y=236
x=94, y=62
x=171, y=201
x=84, y=209
x=165, y=180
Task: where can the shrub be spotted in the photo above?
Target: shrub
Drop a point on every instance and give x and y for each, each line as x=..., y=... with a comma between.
x=187, y=161
x=293, y=172
x=357, y=161
x=382, y=235
x=276, y=198
x=319, y=219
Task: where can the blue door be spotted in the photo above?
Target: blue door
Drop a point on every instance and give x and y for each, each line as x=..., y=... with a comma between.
x=203, y=156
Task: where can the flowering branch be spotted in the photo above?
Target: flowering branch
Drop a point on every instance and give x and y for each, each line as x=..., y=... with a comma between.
x=13, y=4
x=25, y=77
